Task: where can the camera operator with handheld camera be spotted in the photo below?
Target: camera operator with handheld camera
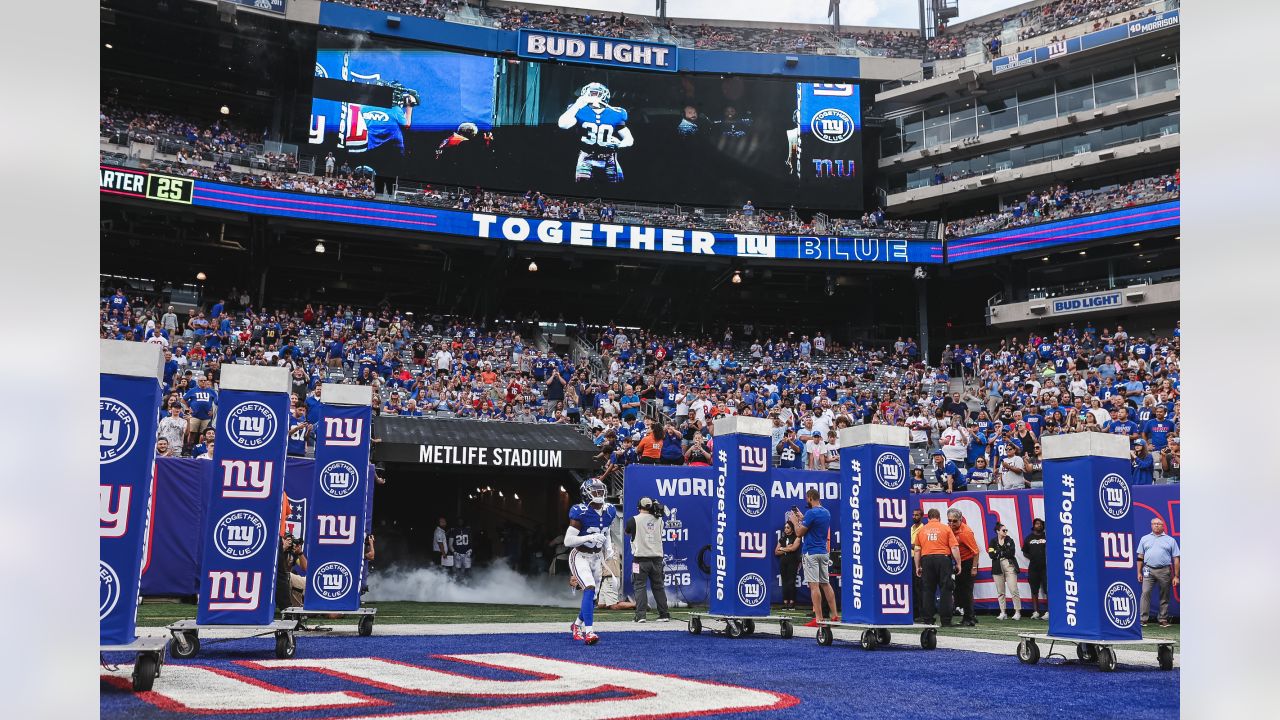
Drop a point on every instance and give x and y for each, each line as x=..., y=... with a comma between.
x=646, y=529
x=290, y=585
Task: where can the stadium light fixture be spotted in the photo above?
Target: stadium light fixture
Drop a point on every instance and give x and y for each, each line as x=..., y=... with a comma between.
x=562, y=489
x=201, y=276
x=1137, y=244
x=533, y=266
x=737, y=278
x=1045, y=258
x=515, y=496
x=500, y=494
x=319, y=246
x=107, y=46
x=1082, y=252
x=224, y=110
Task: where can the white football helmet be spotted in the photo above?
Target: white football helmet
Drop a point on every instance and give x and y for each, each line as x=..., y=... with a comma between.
x=596, y=93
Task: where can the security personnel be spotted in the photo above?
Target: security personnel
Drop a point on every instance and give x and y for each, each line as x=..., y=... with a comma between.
x=967, y=565
x=646, y=532
x=935, y=548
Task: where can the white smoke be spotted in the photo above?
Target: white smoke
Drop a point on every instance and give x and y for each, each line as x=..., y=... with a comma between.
x=496, y=584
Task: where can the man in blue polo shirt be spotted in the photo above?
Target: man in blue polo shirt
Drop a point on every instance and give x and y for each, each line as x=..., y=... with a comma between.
x=1159, y=564
x=814, y=527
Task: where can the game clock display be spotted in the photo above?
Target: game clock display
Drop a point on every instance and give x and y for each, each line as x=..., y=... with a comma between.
x=464, y=119
x=141, y=184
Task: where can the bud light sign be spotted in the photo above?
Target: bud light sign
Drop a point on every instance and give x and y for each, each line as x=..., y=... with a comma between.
x=242, y=518
x=127, y=404
x=875, y=557
x=742, y=518
x=336, y=524
x=1090, y=548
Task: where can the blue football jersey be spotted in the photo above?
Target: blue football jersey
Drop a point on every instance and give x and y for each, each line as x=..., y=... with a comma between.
x=593, y=520
x=600, y=127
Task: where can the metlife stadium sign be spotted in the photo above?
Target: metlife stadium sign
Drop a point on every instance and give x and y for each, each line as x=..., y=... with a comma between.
x=1088, y=41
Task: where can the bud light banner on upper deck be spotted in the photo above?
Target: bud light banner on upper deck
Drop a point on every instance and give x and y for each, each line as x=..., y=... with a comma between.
x=336, y=519
x=875, y=562
x=1089, y=550
x=595, y=50
x=242, y=518
x=742, y=569
x=126, y=483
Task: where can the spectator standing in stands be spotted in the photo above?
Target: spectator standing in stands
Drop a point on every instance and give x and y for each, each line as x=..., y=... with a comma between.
x=815, y=452
x=202, y=402
x=1004, y=570
x=298, y=429
x=1033, y=547
x=937, y=555
x=1159, y=565
x=968, y=569
x=162, y=448
x=1143, y=464
x=1013, y=468
x=955, y=442
x=650, y=448
x=172, y=428
x=697, y=453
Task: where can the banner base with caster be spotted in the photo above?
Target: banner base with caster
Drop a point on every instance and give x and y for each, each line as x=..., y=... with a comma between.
x=364, y=628
x=185, y=642
x=147, y=664
x=874, y=636
x=736, y=626
x=1090, y=651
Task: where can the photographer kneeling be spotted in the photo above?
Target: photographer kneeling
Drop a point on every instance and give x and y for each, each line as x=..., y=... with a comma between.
x=290, y=585
x=646, y=529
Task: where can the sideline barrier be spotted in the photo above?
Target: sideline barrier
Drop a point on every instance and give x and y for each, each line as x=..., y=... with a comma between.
x=1090, y=546
x=129, y=393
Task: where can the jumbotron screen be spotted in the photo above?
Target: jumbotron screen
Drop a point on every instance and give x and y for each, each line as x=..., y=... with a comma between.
x=464, y=119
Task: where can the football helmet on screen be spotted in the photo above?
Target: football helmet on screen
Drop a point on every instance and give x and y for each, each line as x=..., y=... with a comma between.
x=596, y=93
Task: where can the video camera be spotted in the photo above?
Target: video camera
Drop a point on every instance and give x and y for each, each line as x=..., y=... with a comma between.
x=654, y=507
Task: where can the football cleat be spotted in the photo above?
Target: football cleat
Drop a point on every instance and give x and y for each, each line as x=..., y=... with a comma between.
x=591, y=638
x=576, y=630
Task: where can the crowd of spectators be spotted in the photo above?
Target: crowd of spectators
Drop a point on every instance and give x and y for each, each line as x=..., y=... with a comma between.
x=648, y=397
x=1047, y=18
x=1060, y=202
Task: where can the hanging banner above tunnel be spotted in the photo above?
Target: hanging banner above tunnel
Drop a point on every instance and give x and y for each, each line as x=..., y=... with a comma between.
x=473, y=443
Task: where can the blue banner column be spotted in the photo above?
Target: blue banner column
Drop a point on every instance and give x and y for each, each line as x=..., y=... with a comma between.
x=743, y=531
x=875, y=554
x=240, y=535
x=128, y=409
x=336, y=524
x=1089, y=532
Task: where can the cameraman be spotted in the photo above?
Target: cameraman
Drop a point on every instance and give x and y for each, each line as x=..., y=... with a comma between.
x=646, y=530
x=289, y=585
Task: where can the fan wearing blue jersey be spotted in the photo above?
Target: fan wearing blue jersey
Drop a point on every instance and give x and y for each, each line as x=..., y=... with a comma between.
x=604, y=132
x=588, y=538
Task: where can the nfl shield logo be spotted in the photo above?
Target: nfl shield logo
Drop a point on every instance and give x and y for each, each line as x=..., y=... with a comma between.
x=296, y=522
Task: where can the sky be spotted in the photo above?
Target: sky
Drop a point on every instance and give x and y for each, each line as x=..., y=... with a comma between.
x=882, y=13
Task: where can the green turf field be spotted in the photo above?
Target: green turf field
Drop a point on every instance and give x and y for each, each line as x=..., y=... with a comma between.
x=416, y=613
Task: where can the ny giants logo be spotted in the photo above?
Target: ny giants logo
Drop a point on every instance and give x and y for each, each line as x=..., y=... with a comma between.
x=113, y=523
x=238, y=590
x=1120, y=604
x=240, y=535
x=1114, y=497
x=251, y=425
x=752, y=590
x=502, y=685
x=893, y=555
x=754, y=459
x=891, y=512
x=249, y=479
x=752, y=500
x=332, y=581
x=753, y=544
x=343, y=432
x=108, y=589
x=1117, y=550
x=339, y=479
x=756, y=245
x=891, y=472
x=117, y=430
x=895, y=599
x=336, y=529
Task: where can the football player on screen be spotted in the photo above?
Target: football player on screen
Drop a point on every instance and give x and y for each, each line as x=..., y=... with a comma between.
x=588, y=538
x=604, y=132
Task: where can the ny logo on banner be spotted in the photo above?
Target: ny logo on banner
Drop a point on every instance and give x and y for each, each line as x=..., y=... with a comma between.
x=895, y=598
x=832, y=89
x=343, y=432
x=754, y=459
x=247, y=478
x=752, y=544
x=252, y=426
x=336, y=529
x=109, y=433
x=891, y=512
x=756, y=246
x=240, y=590
x=113, y=523
x=1117, y=550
